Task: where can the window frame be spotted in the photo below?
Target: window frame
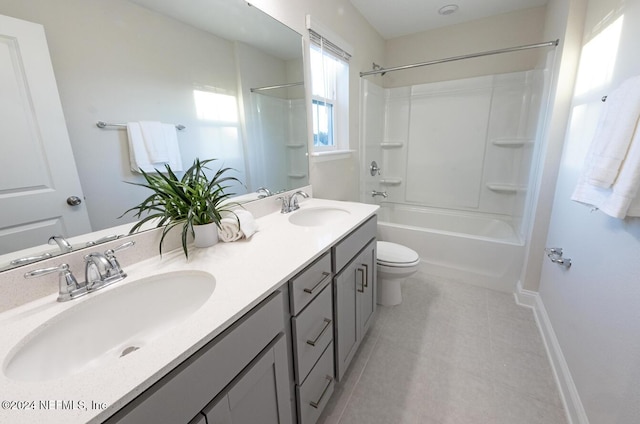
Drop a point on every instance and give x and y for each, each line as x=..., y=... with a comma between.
x=339, y=105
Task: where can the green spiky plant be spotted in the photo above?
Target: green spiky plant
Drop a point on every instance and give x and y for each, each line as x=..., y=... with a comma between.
x=191, y=200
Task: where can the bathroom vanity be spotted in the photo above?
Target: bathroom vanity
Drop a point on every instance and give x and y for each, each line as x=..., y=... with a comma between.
x=288, y=312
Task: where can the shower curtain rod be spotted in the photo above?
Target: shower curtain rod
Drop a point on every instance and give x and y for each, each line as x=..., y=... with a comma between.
x=273, y=87
x=466, y=56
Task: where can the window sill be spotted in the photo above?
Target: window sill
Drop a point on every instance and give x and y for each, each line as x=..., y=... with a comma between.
x=331, y=155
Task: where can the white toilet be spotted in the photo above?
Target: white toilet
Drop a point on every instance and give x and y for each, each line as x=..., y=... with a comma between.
x=395, y=264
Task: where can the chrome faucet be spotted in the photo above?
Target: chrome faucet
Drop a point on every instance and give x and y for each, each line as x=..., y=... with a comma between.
x=101, y=270
x=97, y=271
x=290, y=203
x=264, y=190
x=375, y=193
x=61, y=242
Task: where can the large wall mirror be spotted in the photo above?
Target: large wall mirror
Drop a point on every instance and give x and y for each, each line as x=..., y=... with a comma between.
x=227, y=72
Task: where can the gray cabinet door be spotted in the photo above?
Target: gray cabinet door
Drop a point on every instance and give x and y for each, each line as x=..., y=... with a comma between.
x=260, y=394
x=367, y=298
x=346, y=286
x=355, y=305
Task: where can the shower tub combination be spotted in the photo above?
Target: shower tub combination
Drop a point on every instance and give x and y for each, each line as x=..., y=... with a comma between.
x=483, y=250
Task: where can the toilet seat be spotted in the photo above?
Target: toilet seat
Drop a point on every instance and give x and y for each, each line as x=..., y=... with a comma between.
x=395, y=255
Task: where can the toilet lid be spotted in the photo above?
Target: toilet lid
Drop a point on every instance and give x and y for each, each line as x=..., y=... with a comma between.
x=395, y=254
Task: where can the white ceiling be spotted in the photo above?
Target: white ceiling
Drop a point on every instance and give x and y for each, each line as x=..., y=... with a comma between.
x=233, y=20
x=394, y=18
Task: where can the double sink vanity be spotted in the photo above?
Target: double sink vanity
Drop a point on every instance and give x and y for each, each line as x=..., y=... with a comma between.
x=256, y=330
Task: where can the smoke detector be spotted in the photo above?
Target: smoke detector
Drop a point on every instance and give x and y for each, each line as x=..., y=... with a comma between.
x=448, y=9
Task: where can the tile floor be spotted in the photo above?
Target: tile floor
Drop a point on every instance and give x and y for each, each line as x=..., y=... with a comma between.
x=451, y=353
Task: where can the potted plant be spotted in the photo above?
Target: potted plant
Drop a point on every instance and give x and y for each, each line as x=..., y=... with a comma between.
x=192, y=201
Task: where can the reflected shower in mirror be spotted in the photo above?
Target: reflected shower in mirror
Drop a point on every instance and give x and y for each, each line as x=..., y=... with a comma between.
x=191, y=63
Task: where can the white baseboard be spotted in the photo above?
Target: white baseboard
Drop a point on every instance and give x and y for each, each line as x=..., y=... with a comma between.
x=568, y=391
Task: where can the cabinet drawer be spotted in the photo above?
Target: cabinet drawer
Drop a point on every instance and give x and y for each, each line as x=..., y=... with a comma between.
x=345, y=250
x=312, y=333
x=306, y=285
x=314, y=394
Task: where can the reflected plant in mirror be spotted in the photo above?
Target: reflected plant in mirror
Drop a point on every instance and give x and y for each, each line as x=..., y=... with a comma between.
x=122, y=61
x=191, y=201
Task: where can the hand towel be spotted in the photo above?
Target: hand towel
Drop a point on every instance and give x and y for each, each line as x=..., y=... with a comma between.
x=613, y=134
x=248, y=225
x=617, y=200
x=155, y=143
x=139, y=155
x=229, y=229
x=173, y=150
x=234, y=227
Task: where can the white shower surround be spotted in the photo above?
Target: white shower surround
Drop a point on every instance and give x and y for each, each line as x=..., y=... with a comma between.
x=483, y=250
x=456, y=159
x=278, y=140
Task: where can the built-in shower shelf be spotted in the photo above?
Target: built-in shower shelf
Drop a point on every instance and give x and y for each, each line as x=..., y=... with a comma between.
x=297, y=175
x=295, y=146
x=391, y=144
x=512, y=142
x=506, y=188
x=391, y=181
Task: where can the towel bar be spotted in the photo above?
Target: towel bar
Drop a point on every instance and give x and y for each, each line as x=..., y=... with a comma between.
x=102, y=124
x=555, y=255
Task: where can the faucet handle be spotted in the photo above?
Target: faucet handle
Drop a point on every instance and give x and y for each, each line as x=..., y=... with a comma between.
x=67, y=284
x=109, y=253
x=116, y=269
x=285, y=204
x=104, y=239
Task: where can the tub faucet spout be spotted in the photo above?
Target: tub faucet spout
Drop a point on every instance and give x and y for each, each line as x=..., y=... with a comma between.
x=375, y=193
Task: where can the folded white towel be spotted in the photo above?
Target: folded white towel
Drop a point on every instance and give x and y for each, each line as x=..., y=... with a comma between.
x=617, y=200
x=613, y=134
x=151, y=141
x=234, y=227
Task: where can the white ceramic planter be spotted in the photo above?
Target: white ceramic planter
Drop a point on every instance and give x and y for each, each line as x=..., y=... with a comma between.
x=205, y=235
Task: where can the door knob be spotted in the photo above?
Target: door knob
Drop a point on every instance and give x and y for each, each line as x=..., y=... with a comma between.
x=73, y=200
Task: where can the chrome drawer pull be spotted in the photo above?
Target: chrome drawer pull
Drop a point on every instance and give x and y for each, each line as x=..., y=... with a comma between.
x=366, y=275
x=361, y=280
x=324, y=392
x=327, y=323
x=322, y=280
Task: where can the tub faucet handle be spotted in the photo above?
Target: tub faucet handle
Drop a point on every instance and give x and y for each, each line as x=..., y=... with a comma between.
x=374, y=169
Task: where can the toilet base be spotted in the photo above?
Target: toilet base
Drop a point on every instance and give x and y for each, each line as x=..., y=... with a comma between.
x=389, y=291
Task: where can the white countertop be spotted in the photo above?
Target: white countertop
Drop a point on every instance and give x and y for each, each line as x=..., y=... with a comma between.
x=246, y=272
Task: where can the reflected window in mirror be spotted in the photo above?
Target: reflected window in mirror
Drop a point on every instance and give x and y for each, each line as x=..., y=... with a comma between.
x=212, y=106
x=219, y=132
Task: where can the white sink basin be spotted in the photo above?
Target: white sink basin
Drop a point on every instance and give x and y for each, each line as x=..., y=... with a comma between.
x=315, y=217
x=108, y=326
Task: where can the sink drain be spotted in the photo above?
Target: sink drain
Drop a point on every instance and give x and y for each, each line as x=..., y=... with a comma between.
x=129, y=350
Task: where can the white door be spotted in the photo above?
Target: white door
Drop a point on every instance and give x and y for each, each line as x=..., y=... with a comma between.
x=37, y=169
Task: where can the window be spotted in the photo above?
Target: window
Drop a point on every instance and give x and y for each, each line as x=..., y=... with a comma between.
x=322, y=124
x=330, y=95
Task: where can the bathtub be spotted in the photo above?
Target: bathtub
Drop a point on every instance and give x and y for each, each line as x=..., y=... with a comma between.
x=478, y=249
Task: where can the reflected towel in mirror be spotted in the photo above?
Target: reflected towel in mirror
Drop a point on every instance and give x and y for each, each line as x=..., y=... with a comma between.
x=152, y=145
